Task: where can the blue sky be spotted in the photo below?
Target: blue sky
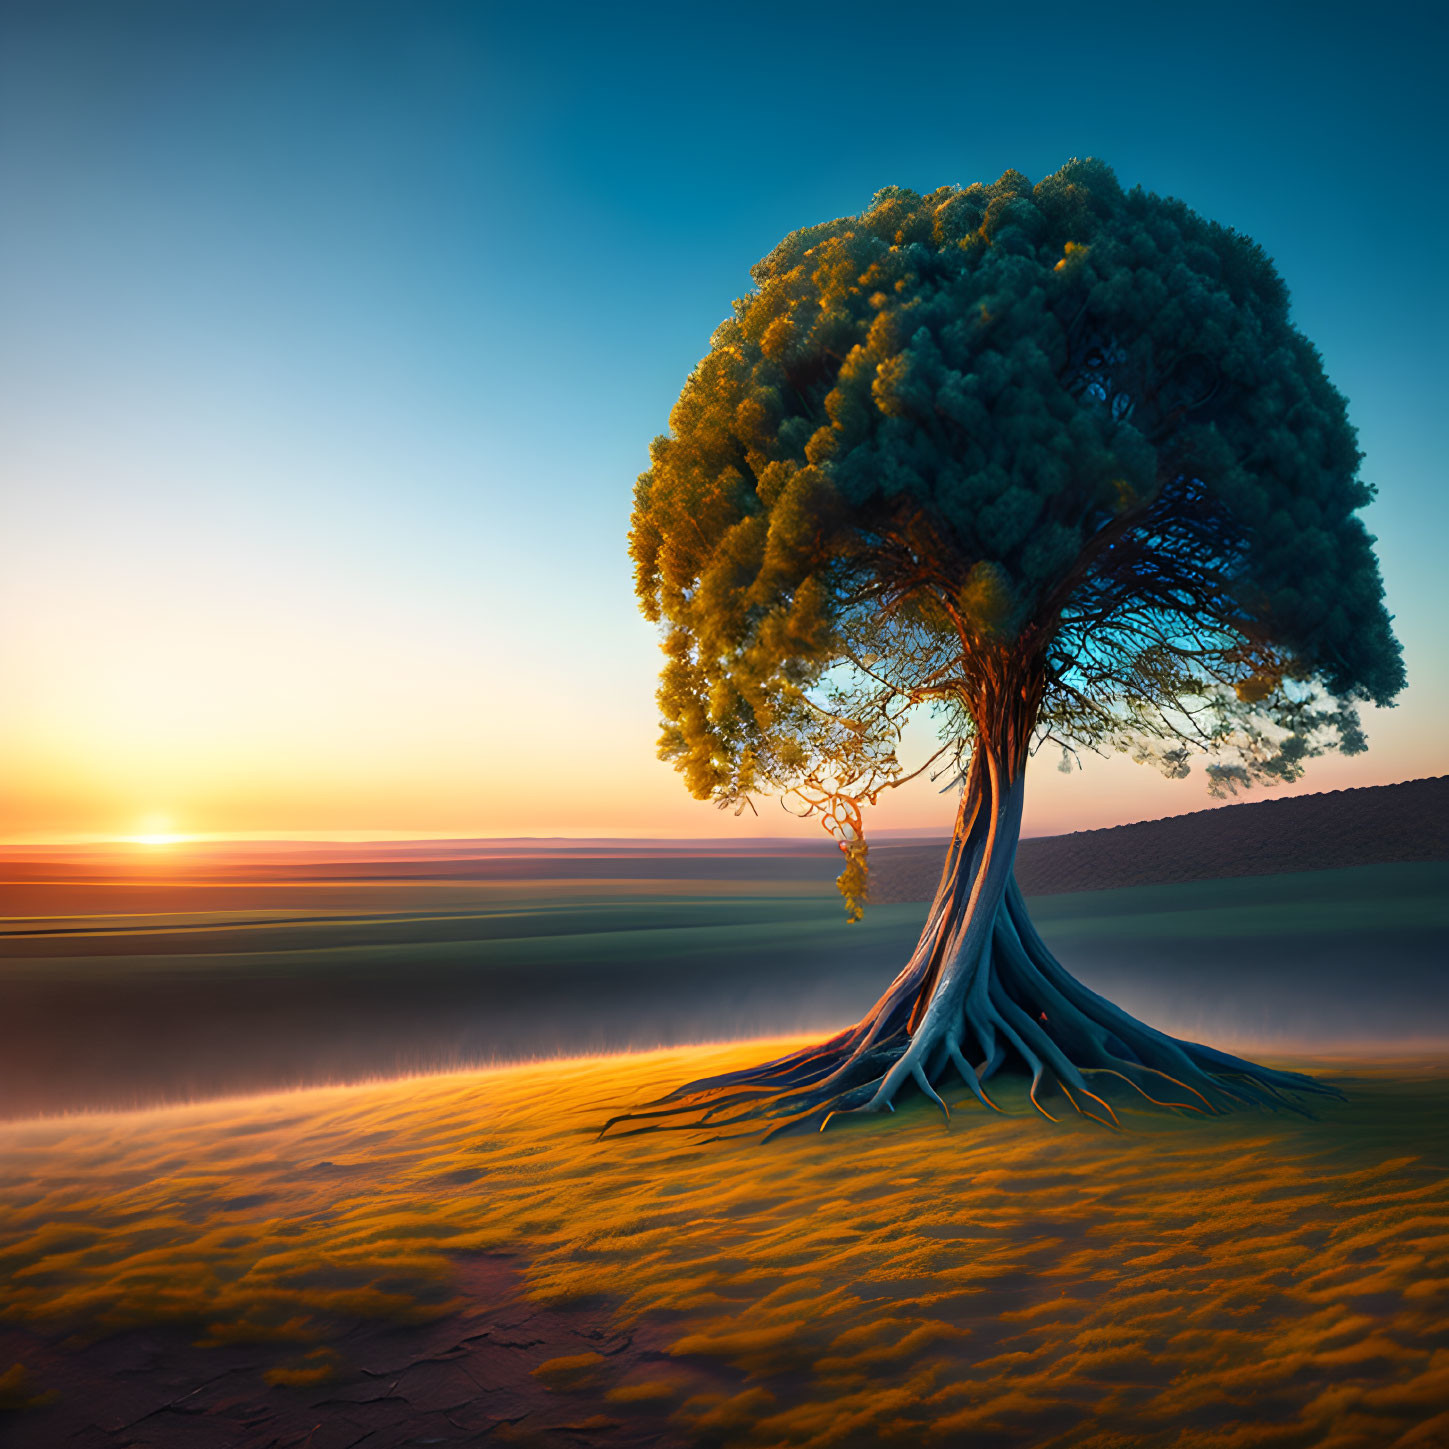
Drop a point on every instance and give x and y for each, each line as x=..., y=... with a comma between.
x=332, y=339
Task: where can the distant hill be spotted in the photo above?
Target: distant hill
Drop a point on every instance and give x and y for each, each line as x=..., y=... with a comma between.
x=1370, y=826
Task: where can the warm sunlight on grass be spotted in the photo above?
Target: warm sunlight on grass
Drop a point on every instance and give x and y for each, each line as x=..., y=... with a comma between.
x=1234, y=1282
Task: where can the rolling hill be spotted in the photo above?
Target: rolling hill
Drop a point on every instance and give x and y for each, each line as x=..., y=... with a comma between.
x=1377, y=825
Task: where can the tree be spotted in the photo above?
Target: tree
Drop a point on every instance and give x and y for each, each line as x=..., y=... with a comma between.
x=1052, y=462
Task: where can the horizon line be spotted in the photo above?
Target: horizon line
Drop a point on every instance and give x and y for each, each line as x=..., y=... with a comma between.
x=300, y=838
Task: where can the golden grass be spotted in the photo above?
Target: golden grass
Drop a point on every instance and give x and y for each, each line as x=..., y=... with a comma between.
x=1244, y=1281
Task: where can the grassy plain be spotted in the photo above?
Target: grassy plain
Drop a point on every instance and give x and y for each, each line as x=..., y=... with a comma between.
x=1246, y=1281
x=455, y=1258
x=1386, y=900
x=117, y=991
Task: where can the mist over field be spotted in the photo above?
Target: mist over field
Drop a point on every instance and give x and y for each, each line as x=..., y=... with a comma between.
x=134, y=977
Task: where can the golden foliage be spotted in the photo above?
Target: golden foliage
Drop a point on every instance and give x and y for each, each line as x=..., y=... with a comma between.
x=1073, y=251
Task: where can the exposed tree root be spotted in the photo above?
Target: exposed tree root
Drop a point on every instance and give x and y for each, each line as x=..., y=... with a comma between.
x=980, y=995
x=1021, y=1010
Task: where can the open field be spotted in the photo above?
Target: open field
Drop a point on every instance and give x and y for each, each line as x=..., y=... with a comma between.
x=458, y=1259
x=120, y=989
x=454, y=1258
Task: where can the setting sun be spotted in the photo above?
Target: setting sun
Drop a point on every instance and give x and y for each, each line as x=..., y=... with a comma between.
x=155, y=830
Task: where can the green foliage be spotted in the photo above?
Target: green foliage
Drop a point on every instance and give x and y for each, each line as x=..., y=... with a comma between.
x=1060, y=427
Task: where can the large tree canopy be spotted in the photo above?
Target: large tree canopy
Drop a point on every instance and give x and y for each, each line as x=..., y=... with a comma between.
x=1049, y=460
x=1059, y=422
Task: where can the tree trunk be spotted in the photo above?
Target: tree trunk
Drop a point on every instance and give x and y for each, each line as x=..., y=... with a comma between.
x=981, y=994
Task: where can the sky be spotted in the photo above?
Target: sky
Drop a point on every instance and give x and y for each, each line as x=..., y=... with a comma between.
x=332, y=339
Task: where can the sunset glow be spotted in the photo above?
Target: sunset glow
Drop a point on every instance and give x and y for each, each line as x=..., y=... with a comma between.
x=156, y=830
x=341, y=545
